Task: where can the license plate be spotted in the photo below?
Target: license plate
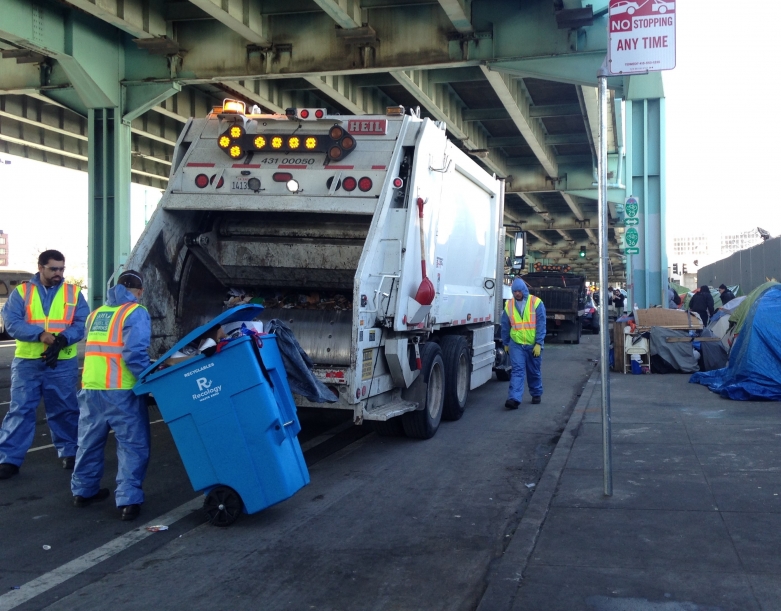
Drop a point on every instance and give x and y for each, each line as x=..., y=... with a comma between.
x=558, y=317
x=239, y=185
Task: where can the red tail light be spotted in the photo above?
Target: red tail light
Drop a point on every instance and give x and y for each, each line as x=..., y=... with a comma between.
x=365, y=184
x=282, y=176
x=304, y=114
x=201, y=181
x=349, y=184
x=319, y=114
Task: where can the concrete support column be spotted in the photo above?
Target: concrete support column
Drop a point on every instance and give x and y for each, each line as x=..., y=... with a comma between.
x=109, y=198
x=646, y=180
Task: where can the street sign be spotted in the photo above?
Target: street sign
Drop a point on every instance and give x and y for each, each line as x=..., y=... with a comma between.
x=631, y=237
x=632, y=251
x=632, y=206
x=632, y=221
x=641, y=36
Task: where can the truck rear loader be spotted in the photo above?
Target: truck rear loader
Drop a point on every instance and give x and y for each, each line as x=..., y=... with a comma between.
x=373, y=237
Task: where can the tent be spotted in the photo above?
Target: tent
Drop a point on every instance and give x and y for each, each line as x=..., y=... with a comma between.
x=739, y=315
x=753, y=372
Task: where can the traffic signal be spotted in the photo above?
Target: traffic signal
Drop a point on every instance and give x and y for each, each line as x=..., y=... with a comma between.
x=684, y=268
x=582, y=253
x=675, y=269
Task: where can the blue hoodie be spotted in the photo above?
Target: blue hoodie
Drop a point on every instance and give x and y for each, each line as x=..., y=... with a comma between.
x=539, y=338
x=13, y=315
x=137, y=330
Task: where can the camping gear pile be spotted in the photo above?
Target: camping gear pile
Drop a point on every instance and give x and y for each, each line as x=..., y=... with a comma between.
x=753, y=331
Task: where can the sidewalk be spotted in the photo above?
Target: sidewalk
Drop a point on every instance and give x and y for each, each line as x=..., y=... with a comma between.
x=694, y=523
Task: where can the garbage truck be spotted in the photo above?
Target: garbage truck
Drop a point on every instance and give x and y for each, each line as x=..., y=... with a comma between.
x=373, y=237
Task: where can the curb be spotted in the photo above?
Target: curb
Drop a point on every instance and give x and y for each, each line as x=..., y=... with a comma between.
x=505, y=577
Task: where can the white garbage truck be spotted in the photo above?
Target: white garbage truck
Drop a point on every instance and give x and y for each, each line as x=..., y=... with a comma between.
x=374, y=238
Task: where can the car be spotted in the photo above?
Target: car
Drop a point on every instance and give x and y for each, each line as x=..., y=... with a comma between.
x=619, y=8
x=662, y=6
x=590, y=317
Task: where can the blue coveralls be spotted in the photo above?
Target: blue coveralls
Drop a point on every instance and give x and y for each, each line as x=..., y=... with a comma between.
x=523, y=362
x=120, y=411
x=31, y=379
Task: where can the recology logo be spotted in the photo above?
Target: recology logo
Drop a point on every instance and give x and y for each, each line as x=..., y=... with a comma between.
x=206, y=390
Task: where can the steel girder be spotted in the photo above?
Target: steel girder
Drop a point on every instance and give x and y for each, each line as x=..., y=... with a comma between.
x=443, y=103
x=347, y=92
x=224, y=59
x=513, y=96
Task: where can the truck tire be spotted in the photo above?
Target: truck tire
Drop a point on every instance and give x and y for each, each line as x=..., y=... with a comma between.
x=423, y=423
x=387, y=428
x=455, y=354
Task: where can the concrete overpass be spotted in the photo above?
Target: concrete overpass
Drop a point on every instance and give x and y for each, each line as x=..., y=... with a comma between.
x=105, y=86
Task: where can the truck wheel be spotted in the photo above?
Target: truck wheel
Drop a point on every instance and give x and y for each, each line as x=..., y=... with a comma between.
x=222, y=506
x=455, y=354
x=423, y=423
x=387, y=428
x=502, y=365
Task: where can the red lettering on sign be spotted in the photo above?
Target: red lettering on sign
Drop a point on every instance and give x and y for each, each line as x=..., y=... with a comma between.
x=367, y=128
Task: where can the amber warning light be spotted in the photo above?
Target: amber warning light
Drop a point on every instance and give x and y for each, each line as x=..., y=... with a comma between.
x=337, y=143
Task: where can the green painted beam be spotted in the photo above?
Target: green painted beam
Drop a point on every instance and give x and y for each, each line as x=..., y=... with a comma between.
x=444, y=105
x=138, y=99
x=516, y=100
x=109, y=199
x=87, y=49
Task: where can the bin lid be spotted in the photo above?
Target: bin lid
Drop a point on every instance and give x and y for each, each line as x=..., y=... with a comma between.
x=241, y=313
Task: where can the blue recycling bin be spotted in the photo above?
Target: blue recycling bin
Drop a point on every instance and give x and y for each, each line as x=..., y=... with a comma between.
x=233, y=420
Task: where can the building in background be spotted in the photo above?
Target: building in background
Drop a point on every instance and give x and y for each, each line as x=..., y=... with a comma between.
x=690, y=252
x=3, y=249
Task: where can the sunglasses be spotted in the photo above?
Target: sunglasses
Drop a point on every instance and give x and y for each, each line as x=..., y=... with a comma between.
x=54, y=269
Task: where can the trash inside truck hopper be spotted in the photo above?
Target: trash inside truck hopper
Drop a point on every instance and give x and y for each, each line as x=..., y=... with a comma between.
x=333, y=223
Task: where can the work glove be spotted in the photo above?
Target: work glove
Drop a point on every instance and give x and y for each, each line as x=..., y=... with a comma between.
x=537, y=350
x=51, y=354
x=507, y=349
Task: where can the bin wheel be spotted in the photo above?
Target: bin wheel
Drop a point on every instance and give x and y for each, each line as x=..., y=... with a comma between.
x=222, y=506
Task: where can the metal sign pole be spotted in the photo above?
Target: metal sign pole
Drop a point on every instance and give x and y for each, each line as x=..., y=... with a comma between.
x=607, y=458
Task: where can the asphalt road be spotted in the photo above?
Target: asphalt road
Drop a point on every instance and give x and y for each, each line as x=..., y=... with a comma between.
x=386, y=523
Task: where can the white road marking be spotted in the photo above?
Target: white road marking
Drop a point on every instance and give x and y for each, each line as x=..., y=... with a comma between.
x=49, y=580
x=53, y=578
x=325, y=436
x=51, y=445
x=5, y=403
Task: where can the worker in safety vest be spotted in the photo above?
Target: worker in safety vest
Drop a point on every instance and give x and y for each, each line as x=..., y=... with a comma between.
x=46, y=318
x=523, y=335
x=118, y=336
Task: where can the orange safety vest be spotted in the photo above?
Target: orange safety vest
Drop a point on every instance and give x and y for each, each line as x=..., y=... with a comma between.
x=60, y=317
x=523, y=329
x=104, y=367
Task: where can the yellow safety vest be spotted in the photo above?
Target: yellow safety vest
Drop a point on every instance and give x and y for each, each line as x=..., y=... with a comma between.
x=104, y=367
x=523, y=329
x=60, y=317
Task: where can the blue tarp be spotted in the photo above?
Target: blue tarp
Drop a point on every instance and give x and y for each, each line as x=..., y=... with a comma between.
x=754, y=369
